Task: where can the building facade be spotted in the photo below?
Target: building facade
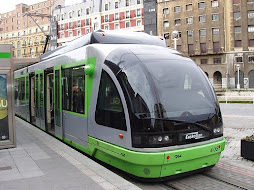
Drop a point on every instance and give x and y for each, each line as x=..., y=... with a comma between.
x=79, y=19
x=20, y=30
x=217, y=34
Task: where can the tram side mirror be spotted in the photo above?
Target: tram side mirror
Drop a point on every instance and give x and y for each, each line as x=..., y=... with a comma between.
x=89, y=69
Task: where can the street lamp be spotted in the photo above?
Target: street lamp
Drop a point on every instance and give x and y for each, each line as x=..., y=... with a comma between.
x=238, y=76
x=175, y=37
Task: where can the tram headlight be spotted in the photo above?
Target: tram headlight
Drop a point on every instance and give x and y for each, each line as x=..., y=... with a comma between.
x=160, y=138
x=166, y=138
x=217, y=130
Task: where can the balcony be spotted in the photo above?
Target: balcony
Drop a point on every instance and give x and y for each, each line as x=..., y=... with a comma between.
x=36, y=43
x=23, y=45
x=42, y=42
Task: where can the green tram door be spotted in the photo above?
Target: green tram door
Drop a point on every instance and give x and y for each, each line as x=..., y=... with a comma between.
x=39, y=99
x=58, y=102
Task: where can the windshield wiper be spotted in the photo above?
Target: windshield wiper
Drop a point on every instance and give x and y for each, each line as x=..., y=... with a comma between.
x=205, y=127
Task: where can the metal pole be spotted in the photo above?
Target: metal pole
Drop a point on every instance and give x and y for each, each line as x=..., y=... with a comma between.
x=175, y=43
x=238, y=76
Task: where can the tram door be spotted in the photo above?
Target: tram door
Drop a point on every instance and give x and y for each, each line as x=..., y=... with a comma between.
x=58, y=102
x=39, y=100
x=33, y=120
x=49, y=104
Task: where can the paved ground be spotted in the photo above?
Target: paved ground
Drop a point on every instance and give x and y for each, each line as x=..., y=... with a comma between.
x=238, y=123
x=41, y=162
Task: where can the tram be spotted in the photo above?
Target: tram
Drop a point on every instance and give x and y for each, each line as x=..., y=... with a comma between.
x=127, y=100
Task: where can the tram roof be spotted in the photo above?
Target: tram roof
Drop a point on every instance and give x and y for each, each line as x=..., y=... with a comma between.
x=107, y=37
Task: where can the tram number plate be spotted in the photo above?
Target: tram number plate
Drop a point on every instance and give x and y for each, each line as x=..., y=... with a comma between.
x=193, y=135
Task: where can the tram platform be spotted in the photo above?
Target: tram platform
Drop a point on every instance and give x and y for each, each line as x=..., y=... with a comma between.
x=42, y=162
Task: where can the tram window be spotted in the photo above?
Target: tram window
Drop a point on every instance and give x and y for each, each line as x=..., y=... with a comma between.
x=74, y=89
x=22, y=89
x=27, y=88
x=109, y=109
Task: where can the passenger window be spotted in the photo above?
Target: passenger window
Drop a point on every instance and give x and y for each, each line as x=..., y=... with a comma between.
x=74, y=89
x=109, y=109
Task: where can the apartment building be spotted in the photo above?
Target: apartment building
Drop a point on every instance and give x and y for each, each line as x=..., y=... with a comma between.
x=217, y=34
x=20, y=30
x=79, y=19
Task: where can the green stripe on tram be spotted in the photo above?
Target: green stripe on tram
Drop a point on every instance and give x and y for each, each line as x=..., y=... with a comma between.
x=5, y=55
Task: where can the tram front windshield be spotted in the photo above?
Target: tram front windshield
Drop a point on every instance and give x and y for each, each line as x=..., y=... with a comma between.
x=168, y=89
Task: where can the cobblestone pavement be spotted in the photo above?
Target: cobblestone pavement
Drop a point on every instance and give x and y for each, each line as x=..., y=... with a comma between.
x=238, y=123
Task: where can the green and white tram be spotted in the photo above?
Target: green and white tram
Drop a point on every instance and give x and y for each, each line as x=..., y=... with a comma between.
x=127, y=100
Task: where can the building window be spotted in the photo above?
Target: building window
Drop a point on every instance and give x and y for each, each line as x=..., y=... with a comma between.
x=106, y=18
x=250, y=14
x=250, y=28
x=166, y=36
x=138, y=22
x=79, y=32
x=166, y=24
x=238, y=43
x=127, y=3
x=117, y=27
x=79, y=13
x=203, y=48
x=70, y=25
x=215, y=17
x=216, y=60
x=116, y=5
x=236, y=1
x=127, y=24
x=87, y=31
x=202, y=18
x=190, y=33
x=62, y=16
x=177, y=22
x=138, y=12
x=202, y=32
x=79, y=23
x=239, y=59
x=190, y=49
x=237, y=29
x=87, y=11
x=251, y=58
x=237, y=15
x=189, y=7
x=106, y=27
x=138, y=2
x=106, y=7
x=214, y=3
x=70, y=14
x=177, y=9
x=18, y=21
x=70, y=34
x=127, y=14
x=203, y=61
x=216, y=31
x=251, y=42
x=201, y=5
x=87, y=22
x=165, y=11
x=216, y=47
x=116, y=16
x=189, y=20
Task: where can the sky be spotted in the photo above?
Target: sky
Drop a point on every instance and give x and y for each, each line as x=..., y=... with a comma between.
x=9, y=5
